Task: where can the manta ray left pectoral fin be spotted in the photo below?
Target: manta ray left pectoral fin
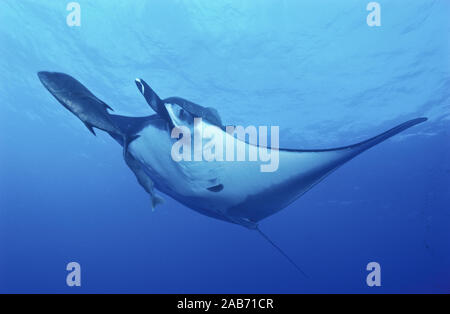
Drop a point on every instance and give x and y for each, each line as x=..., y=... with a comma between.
x=127, y=139
x=143, y=178
x=90, y=128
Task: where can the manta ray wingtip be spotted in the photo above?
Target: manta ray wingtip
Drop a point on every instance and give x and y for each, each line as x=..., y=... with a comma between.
x=412, y=123
x=419, y=120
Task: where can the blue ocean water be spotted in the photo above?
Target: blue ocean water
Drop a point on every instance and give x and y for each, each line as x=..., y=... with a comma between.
x=314, y=68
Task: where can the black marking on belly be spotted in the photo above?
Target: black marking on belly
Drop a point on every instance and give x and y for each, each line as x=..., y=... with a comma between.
x=216, y=188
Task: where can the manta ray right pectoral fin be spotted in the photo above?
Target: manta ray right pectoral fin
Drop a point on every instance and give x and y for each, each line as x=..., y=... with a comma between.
x=306, y=168
x=327, y=160
x=356, y=149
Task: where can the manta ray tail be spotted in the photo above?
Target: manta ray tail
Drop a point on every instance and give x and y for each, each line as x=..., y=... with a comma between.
x=282, y=252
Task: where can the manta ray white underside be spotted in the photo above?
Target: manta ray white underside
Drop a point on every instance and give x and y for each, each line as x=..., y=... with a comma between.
x=246, y=195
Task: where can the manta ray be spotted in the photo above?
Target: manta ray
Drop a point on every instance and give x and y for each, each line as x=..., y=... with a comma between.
x=235, y=192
